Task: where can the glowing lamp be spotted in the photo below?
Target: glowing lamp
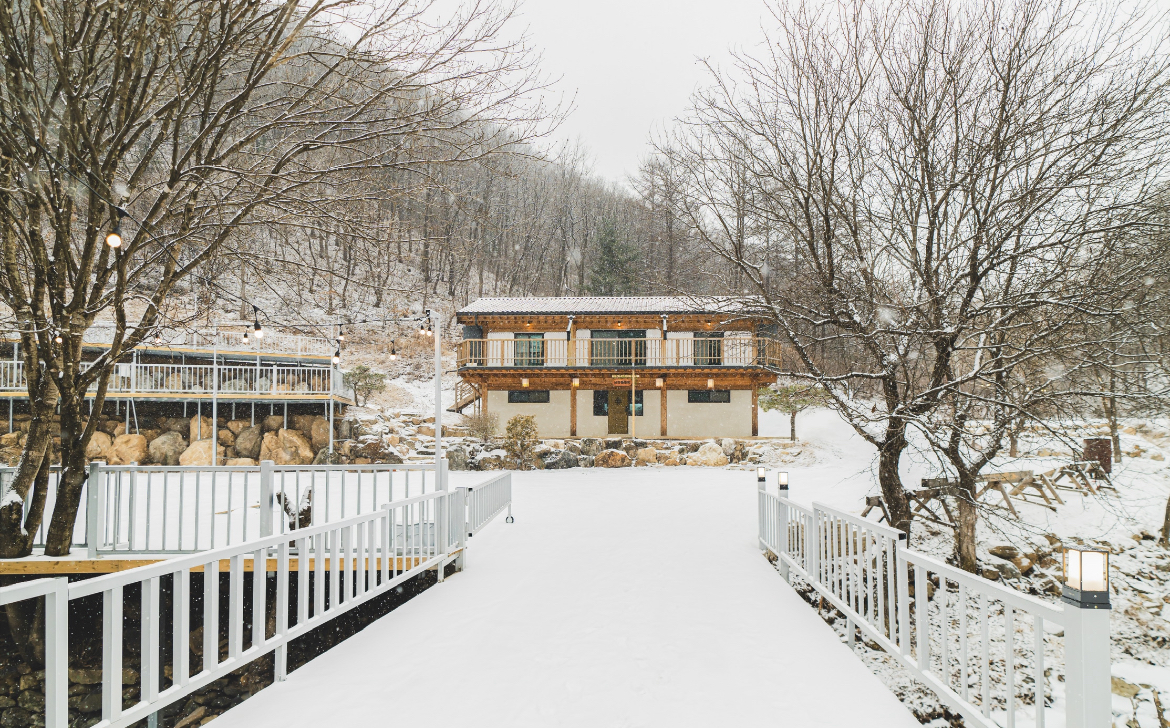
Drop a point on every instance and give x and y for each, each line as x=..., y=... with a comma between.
x=761, y=474
x=1086, y=578
x=524, y=381
x=114, y=237
x=710, y=384
x=576, y=381
x=658, y=382
x=782, y=480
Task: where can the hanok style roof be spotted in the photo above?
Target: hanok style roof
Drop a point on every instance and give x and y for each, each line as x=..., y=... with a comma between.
x=583, y=305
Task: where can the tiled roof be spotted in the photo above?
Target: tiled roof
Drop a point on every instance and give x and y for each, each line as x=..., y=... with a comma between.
x=563, y=305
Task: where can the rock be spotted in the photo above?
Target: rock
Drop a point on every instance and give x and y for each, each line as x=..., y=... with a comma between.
x=32, y=701
x=120, y=429
x=192, y=718
x=612, y=443
x=457, y=458
x=1024, y=564
x=324, y=457
x=12, y=439
x=426, y=430
x=150, y=434
x=200, y=453
x=709, y=455
x=200, y=428
x=560, y=460
x=180, y=425
x=97, y=449
x=167, y=448
x=728, y=446
x=19, y=717
x=226, y=438
x=237, y=426
x=319, y=433
x=108, y=426
x=585, y=461
x=240, y=461
x=91, y=703
x=647, y=455
x=345, y=429
x=128, y=449
x=272, y=423
x=1008, y=553
x=1123, y=688
x=248, y=442
x=612, y=458
x=84, y=676
x=1008, y=570
x=31, y=681
x=591, y=446
x=669, y=458
x=296, y=447
x=573, y=448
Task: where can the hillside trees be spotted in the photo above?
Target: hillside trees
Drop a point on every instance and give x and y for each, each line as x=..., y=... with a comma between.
x=191, y=127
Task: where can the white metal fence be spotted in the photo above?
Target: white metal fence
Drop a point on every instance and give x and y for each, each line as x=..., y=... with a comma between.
x=186, y=509
x=363, y=556
x=487, y=500
x=176, y=379
x=992, y=654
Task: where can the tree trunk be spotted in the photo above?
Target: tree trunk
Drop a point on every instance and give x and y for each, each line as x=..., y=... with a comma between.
x=15, y=535
x=1166, y=525
x=889, y=456
x=60, y=536
x=965, y=528
x=1109, y=404
x=1013, y=444
x=792, y=425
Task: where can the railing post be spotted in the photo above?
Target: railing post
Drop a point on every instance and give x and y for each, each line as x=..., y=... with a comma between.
x=266, y=467
x=461, y=495
x=92, y=509
x=812, y=553
x=782, y=526
x=1086, y=657
x=57, y=655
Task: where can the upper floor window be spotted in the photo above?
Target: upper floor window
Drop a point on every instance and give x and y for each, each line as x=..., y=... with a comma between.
x=708, y=348
x=529, y=350
x=618, y=347
x=709, y=396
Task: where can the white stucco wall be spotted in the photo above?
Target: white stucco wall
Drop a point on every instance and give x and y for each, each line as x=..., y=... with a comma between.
x=552, y=417
x=718, y=419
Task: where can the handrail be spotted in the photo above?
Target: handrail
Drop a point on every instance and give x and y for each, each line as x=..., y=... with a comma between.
x=932, y=616
x=337, y=567
x=733, y=350
x=232, y=379
x=487, y=500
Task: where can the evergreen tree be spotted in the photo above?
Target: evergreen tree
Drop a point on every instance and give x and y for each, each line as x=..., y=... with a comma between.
x=615, y=270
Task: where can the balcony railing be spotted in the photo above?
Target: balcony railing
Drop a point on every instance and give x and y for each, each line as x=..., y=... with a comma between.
x=272, y=342
x=729, y=351
x=179, y=379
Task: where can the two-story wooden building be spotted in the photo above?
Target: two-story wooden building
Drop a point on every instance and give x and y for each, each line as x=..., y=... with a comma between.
x=643, y=366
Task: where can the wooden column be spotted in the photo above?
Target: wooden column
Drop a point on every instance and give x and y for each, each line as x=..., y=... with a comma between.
x=662, y=409
x=572, y=411
x=755, y=410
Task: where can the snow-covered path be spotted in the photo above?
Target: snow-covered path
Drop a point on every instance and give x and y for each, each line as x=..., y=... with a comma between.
x=617, y=598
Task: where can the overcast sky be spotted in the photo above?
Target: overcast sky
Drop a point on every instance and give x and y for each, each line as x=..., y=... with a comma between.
x=632, y=64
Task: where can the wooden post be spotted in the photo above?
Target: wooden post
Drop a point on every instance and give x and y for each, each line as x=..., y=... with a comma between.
x=662, y=410
x=755, y=410
x=572, y=411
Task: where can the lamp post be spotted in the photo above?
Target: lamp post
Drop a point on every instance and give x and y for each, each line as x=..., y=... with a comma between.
x=1085, y=594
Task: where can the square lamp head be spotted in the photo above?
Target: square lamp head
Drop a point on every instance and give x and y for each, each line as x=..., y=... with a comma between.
x=1086, y=578
x=782, y=480
x=761, y=475
x=710, y=384
x=576, y=381
x=658, y=382
x=523, y=381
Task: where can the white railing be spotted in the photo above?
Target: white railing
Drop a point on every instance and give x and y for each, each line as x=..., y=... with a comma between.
x=488, y=500
x=987, y=651
x=156, y=379
x=186, y=509
x=271, y=342
x=735, y=349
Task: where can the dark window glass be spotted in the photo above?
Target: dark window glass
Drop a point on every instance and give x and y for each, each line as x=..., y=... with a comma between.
x=527, y=396
x=601, y=403
x=708, y=396
x=618, y=348
x=637, y=404
x=708, y=348
x=530, y=350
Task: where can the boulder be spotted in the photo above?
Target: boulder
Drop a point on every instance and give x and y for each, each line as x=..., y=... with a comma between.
x=457, y=458
x=128, y=449
x=709, y=455
x=120, y=429
x=591, y=446
x=319, y=433
x=1008, y=570
x=200, y=453
x=668, y=458
x=248, y=442
x=272, y=423
x=1007, y=553
x=304, y=423
x=200, y=428
x=240, y=461
x=167, y=448
x=150, y=434
x=573, y=448
x=612, y=458
x=559, y=460
x=296, y=445
x=324, y=457
x=237, y=426
x=226, y=438
x=612, y=443
x=180, y=425
x=97, y=449
x=647, y=456
x=107, y=427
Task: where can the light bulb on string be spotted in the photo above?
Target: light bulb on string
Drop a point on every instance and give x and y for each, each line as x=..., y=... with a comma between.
x=58, y=338
x=257, y=331
x=245, y=336
x=337, y=357
x=341, y=334
x=393, y=350
x=114, y=237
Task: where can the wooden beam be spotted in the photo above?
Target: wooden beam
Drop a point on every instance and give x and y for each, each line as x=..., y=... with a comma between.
x=572, y=411
x=755, y=411
x=662, y=414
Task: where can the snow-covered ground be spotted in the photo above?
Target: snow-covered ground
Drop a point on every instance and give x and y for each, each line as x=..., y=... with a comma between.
x=618, y=598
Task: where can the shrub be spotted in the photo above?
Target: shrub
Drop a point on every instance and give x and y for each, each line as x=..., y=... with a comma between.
x=520, y=437
x=482, y=425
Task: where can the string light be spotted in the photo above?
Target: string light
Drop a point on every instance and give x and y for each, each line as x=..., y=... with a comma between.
x=245, y=336
x=393, y=350
x=341, y=334
x=259, y=332
x=58, y=338
x=114, y=237
x=337, y=356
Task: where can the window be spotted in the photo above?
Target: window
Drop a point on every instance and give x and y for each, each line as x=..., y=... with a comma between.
x=527, y=396
x=708, y=348
x=601, y=403
x=618, y=348
x=709, y=396
x=530, y=350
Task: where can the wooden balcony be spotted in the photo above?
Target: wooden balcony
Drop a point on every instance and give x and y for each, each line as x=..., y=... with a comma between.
x=730, y=352
x=227, y=342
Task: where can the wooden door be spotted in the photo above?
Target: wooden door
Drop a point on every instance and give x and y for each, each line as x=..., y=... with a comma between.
x=619, y=401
